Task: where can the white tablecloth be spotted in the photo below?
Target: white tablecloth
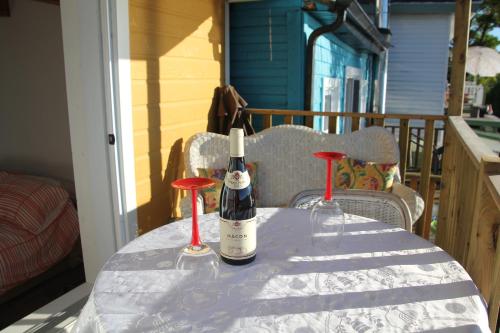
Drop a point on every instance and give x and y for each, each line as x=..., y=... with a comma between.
x=382, y=279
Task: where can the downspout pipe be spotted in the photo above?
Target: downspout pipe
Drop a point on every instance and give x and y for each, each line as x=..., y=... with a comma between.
x=340, y=8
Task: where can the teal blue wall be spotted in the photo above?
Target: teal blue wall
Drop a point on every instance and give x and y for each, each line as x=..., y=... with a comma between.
x=331, y=56
x=268, y=71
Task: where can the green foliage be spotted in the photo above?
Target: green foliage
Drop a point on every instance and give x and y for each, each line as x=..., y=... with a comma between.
x=487, y=40
x=492, y=88
x=484, y=21
x=488, y=82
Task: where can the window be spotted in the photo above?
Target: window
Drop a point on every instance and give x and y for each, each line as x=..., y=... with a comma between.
x=331, y=100
x=354, y=95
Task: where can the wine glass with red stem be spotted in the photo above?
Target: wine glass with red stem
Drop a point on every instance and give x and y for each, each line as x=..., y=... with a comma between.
x=327, y=218
x=196, y=256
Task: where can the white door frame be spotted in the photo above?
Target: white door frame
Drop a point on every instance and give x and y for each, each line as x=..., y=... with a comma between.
x=96, y=57
x=116, y=52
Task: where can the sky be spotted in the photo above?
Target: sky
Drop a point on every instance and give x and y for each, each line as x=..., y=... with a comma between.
x=496, y=33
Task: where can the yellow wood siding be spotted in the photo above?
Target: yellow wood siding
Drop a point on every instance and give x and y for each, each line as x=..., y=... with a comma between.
x=176, y=52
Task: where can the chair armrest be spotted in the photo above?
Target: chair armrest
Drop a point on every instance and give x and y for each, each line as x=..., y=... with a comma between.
x=186, y=205
x=411, y=198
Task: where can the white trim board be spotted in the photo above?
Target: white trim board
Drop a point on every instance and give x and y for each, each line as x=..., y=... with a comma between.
x=353, y=73
x=85, y=85
x=98, y=80
x=126, y=132
x=116, y=47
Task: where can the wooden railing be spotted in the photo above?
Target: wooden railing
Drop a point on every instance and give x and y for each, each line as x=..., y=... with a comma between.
x=426, y=181
x=469, y=203
x=416, y=140
x=469, y=212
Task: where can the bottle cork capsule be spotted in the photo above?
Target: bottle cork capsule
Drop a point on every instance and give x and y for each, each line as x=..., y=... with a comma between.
x=236, y=144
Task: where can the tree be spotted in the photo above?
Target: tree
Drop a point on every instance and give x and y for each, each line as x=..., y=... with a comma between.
x=484, y=21
x=492, y=88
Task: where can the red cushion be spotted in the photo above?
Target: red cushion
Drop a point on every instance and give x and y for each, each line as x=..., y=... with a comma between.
x=29, y=203
x=24, y=255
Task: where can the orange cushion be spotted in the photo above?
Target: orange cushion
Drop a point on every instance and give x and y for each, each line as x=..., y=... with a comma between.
x=362, y=175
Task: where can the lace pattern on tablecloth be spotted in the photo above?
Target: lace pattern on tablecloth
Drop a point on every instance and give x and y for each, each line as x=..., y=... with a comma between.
x=382, y=279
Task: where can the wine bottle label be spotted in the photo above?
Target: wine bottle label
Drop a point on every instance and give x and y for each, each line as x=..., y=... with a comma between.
x=237, y=180
x=238, y=239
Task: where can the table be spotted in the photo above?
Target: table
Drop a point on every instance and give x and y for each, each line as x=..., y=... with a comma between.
x=382, y=278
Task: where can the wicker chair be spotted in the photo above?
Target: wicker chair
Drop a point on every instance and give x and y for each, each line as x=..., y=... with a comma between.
x=285, y=163
x=380, y=206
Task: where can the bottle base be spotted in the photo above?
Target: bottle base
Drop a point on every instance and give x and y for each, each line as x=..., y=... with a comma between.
x=238, y=262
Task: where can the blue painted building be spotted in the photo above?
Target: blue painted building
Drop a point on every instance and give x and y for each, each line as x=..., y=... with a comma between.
x=268, y=56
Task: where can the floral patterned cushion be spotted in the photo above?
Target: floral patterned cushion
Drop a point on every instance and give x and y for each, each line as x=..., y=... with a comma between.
x=362, y=175
x=211, y=195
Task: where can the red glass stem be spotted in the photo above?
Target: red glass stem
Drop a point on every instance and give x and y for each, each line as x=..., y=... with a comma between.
x=328, y=188
x=195, y=237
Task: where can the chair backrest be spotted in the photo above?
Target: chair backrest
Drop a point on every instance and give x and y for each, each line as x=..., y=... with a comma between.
x=381, y=206
x=284, y=156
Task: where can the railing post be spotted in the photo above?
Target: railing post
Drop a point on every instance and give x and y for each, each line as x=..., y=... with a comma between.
x=268, y=120
x=428, y=212
x=332, y=124
x=404, y=133
x=288, y=120
x=425, y=179
x=447, y=189
x=481, y=258
x=494, y=303
x=417, y=147
x=309, y=121
x=460, y=42
x=379, y=122
x=414, y=183
x=355, y=124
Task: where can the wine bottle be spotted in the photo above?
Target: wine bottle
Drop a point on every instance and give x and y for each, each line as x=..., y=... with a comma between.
x=237, y=209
